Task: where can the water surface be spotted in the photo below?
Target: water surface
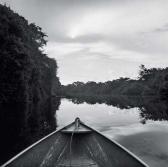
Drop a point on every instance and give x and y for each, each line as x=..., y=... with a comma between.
x=136, y=127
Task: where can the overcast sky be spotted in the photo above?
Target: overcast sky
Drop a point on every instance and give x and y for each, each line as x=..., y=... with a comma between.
x=100, y=39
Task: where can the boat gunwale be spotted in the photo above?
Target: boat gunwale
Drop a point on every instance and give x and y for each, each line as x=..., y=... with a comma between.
x=59, y=130
x=119, y=145
x=34, y=144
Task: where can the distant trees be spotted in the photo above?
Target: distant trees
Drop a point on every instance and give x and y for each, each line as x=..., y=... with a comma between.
x=150, y=82
x=164, y=88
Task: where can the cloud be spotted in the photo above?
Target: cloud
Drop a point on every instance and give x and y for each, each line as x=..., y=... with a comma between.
x=93, y=61
x=164, y=28
x=101, y=39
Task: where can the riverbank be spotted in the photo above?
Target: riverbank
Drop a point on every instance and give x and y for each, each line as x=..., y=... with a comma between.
x=28, y=83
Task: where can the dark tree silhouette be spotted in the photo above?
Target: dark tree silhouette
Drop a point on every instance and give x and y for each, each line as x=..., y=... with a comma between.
x=27, y=82
x=150, y=82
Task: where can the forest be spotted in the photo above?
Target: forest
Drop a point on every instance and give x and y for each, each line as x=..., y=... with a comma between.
x=27, y=74
x=150, y=82
x=28, y=84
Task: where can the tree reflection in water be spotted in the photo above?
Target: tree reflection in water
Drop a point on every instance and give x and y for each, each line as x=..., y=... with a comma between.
x=21, y=124
x=151, y=108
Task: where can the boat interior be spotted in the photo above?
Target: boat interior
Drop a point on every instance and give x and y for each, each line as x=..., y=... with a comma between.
x=75, y=145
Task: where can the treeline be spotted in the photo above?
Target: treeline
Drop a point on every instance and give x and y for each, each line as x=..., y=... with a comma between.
x=150, y=82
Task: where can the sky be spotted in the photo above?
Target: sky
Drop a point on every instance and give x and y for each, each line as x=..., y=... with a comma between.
x=100, y=40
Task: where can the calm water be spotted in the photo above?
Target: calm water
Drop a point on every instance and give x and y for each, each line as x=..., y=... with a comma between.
x=22, y=124
x=134, y=127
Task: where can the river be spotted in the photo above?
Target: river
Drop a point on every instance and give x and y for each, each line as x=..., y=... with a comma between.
x=132, y=126
x=139, y=124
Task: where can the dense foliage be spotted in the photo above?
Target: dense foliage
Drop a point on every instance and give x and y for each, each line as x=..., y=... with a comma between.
x=27, y=74
x=151, y=82
x=27, y=82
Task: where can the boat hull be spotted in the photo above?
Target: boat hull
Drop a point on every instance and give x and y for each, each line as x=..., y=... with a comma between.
x=70, y=147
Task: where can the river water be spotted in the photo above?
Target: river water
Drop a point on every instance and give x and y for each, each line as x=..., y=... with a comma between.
x=135, y=126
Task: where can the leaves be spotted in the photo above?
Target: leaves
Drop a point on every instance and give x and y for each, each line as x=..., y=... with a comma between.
x=151, y=82
x=22, y=59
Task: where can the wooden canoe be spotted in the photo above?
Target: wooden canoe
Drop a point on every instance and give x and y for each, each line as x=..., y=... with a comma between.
x=75, y=145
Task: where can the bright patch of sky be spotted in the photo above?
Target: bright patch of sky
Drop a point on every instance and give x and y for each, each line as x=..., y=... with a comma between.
x=100, y=39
